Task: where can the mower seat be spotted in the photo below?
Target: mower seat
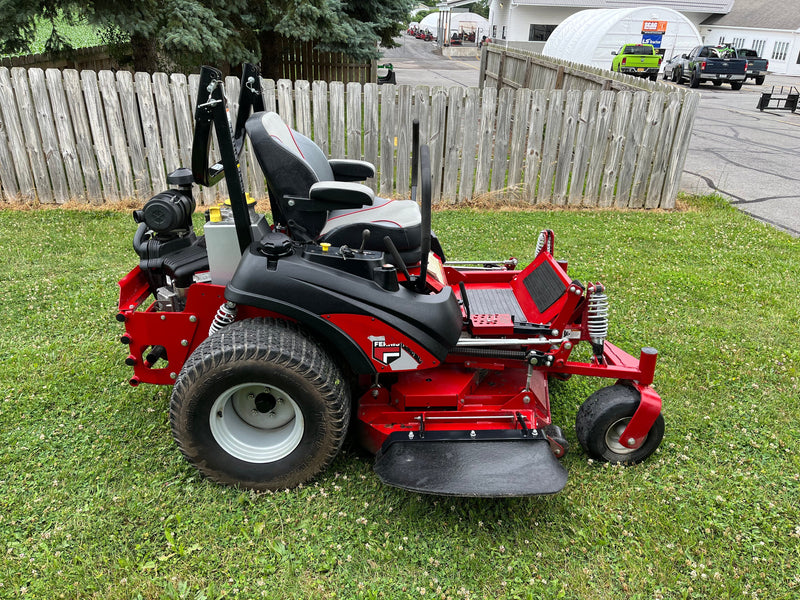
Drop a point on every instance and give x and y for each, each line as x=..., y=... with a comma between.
x=318, y=199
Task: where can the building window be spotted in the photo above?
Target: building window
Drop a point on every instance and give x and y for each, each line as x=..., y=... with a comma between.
x=494, y=31
x=540, y=33
x=779, y=50
x=738, y=42
x=758, y=46
x=504, y=32
x=721, y=40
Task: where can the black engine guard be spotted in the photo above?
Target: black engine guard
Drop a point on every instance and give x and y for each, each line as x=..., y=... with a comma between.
x=488, y=464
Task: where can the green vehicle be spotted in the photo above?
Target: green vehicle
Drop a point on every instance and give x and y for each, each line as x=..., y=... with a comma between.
x=640, y=60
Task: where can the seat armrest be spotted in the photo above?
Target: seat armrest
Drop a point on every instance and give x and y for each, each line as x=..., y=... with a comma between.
x=351, y=170
x=334, y=195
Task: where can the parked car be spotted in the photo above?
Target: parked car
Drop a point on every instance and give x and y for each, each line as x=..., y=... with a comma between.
x=757, y=67
x=672, y=67
x=640, y=60
x=718, y=64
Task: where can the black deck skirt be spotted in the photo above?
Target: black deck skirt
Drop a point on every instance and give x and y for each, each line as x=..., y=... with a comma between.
x=473, y=468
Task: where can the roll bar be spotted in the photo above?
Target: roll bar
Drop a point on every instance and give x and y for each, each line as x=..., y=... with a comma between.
x=211, y=114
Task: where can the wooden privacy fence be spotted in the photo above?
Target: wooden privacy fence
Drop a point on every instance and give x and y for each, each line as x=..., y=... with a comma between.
x=512, y=67
x=113, y=136
x=95, y=58
x=294, y=60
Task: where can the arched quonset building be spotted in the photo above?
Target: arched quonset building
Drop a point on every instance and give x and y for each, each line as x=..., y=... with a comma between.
x=528, y=24
x=590, y=37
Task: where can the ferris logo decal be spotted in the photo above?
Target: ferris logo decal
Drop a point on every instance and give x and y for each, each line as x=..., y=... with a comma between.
x=398, y=357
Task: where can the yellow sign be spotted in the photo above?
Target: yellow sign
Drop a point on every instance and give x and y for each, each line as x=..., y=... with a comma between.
x=654, y=26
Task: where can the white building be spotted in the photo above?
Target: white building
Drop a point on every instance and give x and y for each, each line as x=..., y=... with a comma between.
x=593, y=36
x=529, y=23
x=771, y=28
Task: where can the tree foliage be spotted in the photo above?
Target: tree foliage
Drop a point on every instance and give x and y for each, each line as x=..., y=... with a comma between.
x=191, y=32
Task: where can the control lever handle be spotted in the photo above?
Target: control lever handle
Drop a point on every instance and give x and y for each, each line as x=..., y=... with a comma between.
x=364, y=237
x=398, y=260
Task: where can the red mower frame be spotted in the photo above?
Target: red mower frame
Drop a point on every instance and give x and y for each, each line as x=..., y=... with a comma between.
x=470, y=419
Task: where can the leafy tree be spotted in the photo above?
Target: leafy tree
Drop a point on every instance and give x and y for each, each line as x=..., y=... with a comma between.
x=191, y=32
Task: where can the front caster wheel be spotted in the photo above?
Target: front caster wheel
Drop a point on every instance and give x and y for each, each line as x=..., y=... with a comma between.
x=261, y=406
x=602, y=419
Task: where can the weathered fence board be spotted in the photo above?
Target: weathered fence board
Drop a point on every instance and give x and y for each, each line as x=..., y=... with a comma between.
x=83, y=135
x=485, y=139
x=116, y=133
x=644, y=166
x=566, y=147
x=47, y=130
x=436, y=138
x=354, y=127
x=502, y=130
x=533, y=152
x=599, y=144
x=555, y=111
x=302, y=98
x=336, y=90
x=522, y=109
x=371, y=131
x=127, y=99
x=319, y=91
x=403, y=140
x=97, y=126
x=387, y=130
x=469, y=148
x=615, y=144
x=632, y=148
x=116, y=136
x=582, y=148
x=150, y=132
x=455, y=141
x=680, y=146
x=30, y=132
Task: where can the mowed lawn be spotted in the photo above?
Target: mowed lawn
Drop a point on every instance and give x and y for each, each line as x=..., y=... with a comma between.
x=97, y=502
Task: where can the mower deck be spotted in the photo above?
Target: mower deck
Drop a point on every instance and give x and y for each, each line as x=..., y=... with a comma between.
x=487, y=464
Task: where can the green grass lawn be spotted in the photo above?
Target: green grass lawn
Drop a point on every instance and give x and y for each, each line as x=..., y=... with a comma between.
x=97, y=502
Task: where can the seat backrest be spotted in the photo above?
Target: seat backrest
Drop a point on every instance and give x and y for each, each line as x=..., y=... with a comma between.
x=291, y=164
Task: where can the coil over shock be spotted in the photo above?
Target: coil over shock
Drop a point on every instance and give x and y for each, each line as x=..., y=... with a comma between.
x=545, y=241
x=597, y=318
x=224, y=317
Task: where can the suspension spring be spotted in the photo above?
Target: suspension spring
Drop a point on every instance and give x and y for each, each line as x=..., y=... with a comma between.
x=545, y=242
x=224, y=317
x=597, y=314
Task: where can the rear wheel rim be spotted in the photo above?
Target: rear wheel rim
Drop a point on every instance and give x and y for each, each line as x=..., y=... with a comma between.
x=256, y=423
x=613, y=433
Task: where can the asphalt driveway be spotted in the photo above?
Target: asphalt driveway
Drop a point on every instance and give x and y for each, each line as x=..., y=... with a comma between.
x=752, y=158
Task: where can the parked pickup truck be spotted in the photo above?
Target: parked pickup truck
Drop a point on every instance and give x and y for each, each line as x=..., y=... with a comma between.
x=641, y=60
x=717, y=64
x=756, y=66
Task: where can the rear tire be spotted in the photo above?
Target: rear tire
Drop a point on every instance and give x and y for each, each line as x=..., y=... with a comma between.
x=694, y=80
x=736, y=85
x=760, y=79
x=677, y=76
x=603, y=418
x=260, y=405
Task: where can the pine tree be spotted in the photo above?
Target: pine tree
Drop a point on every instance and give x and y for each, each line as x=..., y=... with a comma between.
x=193, y=32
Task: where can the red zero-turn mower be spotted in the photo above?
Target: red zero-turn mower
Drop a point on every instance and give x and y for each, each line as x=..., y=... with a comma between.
x=344, y=314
